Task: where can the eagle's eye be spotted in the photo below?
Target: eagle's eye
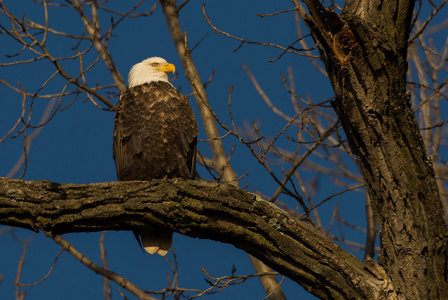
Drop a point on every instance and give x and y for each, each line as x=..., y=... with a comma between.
x=155, y=64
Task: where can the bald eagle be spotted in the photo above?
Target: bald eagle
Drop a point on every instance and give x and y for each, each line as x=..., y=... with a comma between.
x=155, y=135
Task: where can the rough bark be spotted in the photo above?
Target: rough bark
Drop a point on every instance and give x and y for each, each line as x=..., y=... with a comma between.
x=366, y=60
x=198, y=209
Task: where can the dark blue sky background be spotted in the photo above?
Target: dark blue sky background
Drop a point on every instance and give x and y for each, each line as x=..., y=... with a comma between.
x=76, y=145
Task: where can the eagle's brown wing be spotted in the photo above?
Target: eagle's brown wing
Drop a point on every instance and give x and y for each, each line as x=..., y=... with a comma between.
x=154, y=134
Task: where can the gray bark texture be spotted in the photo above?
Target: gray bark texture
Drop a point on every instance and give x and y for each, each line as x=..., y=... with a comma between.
x=197, y=209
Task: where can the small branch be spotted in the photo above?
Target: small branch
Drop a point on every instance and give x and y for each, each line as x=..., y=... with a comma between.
x=107, y=292
x=425, y=24
x=20, y=295
x=180, y=41
x=21, y=161
x=46, y=276
x=371, y=230
x=289, y=49
x=92, y=29
x=121, y=281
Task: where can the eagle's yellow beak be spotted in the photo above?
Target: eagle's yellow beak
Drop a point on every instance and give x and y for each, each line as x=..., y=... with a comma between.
x=167, y=68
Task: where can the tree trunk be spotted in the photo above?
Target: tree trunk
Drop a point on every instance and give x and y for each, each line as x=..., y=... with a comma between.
x=366, y=51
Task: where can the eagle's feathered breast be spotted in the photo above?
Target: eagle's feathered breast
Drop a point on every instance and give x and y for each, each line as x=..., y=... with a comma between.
x=154, y=134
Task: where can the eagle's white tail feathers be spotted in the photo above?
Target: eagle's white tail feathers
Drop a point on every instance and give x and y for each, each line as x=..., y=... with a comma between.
x=157, y=241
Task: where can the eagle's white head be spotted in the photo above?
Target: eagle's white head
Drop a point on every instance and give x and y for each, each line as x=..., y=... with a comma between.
x=149, y=70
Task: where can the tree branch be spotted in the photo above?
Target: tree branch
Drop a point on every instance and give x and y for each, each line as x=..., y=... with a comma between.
x=102, y=271
x=197, y=209
x=170, y=11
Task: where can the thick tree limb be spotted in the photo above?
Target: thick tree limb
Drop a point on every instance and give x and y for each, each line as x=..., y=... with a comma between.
x=198, y=209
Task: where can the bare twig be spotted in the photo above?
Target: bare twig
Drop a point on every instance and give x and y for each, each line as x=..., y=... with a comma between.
x=28, y=140
x=107, y=292
x=46, y=275
x=121, y=281
x=371, y=230
x=289, y=48
x=92, y=28
x=20, y=295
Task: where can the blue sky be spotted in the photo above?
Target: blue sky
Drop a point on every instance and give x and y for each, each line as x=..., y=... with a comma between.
x=76, y=145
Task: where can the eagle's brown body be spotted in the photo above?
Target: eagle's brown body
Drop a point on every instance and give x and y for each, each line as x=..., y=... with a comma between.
x=154, y=137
